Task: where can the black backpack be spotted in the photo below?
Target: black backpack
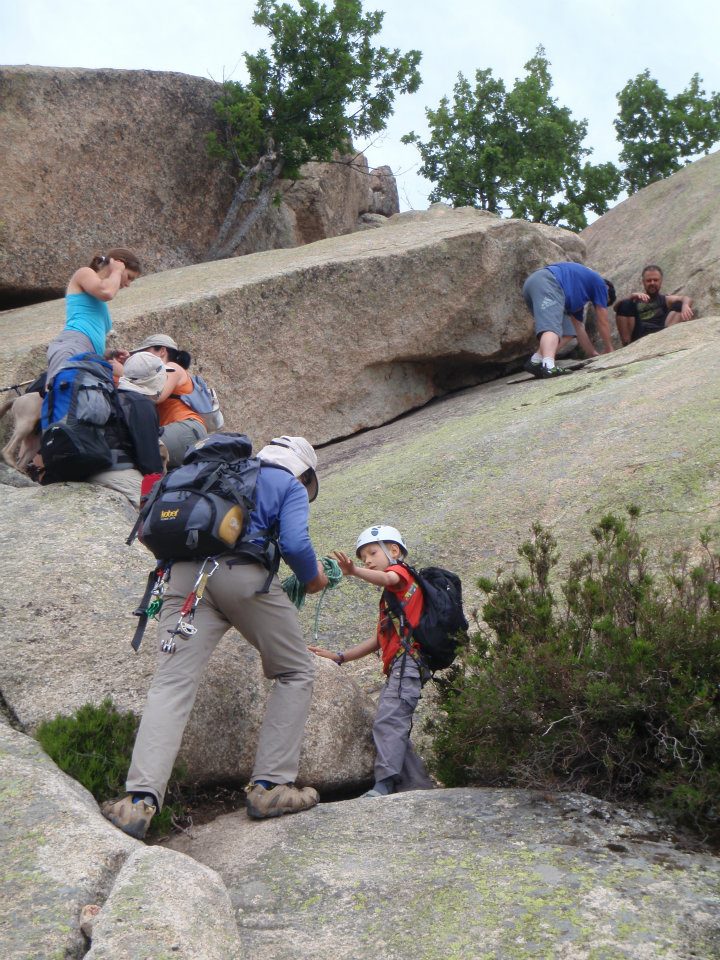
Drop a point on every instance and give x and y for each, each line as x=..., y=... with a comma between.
x=442, y=625
x=202, y=508
x=76, y=408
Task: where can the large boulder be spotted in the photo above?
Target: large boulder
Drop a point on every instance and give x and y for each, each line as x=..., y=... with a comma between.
x=98, y=158
x=339, y=335
x=164, y=904
x=73, y=585
x=673, y=223
x=329, y=197
x=62, y=863
x=464, y=873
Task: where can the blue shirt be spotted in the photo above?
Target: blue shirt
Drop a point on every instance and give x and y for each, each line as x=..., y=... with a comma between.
x=580, y=285
x=280, y=497
x=90, y=316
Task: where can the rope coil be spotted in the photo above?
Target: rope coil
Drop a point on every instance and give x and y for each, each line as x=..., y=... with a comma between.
x=297, y=594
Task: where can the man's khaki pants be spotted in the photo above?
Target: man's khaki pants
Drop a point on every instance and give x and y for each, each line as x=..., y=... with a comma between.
x=269, y=622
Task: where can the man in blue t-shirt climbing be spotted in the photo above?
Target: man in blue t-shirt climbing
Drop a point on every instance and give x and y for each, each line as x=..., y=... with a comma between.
x=556, y=296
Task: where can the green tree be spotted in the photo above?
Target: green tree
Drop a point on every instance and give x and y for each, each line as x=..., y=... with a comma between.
x=321, y=82
x=514, y=150
x=465, y=155
x=661, y=134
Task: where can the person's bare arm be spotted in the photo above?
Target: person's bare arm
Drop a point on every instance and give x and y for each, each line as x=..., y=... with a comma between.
x=86, y=280
x=603, y=325
x=683, y=305
x=176, y=377
x=354, y=653
x=583, y=339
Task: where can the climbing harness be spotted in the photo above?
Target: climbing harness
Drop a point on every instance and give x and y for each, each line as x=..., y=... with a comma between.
x=184, y=627
x=152, y=600
x=297, y=594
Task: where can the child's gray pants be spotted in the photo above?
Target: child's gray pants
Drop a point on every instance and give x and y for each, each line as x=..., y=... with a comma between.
x=391, y=730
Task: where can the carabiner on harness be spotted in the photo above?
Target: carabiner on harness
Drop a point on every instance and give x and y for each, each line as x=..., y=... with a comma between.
x=184, y=627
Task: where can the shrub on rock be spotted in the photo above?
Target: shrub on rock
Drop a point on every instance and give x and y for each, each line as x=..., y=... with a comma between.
x=608, y=684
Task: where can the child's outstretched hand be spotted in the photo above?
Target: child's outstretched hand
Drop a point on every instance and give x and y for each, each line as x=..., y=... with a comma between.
x=329, y=655
x=344, y=562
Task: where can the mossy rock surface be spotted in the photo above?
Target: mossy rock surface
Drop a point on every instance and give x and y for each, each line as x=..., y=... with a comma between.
x=487, y=874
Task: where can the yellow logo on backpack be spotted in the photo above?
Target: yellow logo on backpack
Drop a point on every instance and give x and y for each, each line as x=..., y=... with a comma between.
x=231, y=526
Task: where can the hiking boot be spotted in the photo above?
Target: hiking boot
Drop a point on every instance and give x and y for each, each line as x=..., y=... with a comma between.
x=281, y=799
x=131, y=818
x=533, y=366
x=547, y=372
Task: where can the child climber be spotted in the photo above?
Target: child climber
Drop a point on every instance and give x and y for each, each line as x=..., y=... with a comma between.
x=397, y=766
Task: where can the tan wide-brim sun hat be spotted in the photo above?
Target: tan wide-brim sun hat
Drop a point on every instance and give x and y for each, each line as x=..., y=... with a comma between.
x=156, y=340
x=297, y=456
x=143, y=373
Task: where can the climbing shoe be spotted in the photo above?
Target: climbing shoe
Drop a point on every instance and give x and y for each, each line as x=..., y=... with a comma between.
x=547, y=372
x=280, y=799
x=533, y=366
x=131, y=817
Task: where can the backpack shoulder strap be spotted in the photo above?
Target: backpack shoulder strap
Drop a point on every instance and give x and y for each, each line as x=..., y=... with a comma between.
x=395, y=605
x=392, y=600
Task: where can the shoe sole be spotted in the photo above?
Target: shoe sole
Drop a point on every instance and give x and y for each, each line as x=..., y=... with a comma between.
x=135, y=830
x=256, y=814
x=280, y=811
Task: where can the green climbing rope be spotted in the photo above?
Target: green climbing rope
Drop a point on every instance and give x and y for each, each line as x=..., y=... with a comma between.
x=296, y=590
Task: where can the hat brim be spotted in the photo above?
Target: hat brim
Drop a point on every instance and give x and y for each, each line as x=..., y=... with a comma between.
x=313, y=488
x=151, y=342
x=125, y=384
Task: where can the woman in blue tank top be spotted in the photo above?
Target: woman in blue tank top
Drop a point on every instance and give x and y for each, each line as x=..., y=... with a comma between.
x=87, y=318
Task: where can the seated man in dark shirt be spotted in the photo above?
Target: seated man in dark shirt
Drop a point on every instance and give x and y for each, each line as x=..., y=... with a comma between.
x=650, y=311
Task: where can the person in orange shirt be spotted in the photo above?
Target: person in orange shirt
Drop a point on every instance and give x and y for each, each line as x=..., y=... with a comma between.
x=180, y=427
x=397, y=767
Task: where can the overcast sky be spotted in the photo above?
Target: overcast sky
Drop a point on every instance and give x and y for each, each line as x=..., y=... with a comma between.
x=594, y=47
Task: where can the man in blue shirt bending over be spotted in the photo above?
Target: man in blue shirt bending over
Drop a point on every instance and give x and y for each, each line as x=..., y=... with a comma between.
x=244, y=593
x=556, y=296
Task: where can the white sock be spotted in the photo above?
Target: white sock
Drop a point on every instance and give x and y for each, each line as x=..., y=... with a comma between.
x=548, y=362
x=536, y=358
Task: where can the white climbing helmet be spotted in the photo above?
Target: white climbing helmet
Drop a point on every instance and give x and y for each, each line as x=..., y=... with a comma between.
x=381, y=533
